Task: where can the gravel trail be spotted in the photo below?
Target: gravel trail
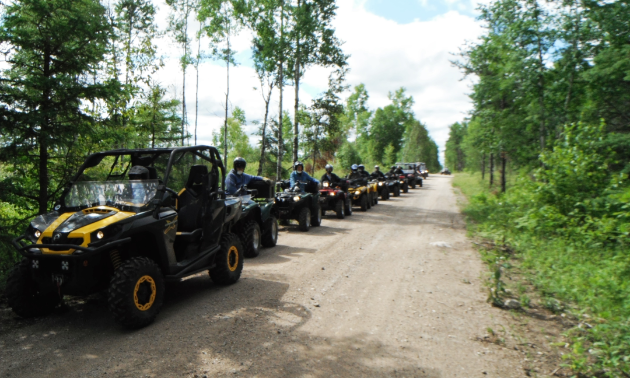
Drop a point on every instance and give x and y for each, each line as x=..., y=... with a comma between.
x=393, y=292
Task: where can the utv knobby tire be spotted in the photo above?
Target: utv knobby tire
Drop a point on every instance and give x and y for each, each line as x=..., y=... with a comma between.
x=23, y=295
x=316, y=220
x=339, y=209
x=228, y=261
x=136, y=292
x=304, y=219
x=364, y=203
x=270, y=237
x=251, y=237
x=348, y=205
x=385, y=194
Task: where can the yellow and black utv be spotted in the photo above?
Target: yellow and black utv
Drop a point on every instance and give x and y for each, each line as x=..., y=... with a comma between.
x=129, y=221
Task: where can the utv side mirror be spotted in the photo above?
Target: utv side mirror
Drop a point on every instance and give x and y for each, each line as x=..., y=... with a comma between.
x=167, y=200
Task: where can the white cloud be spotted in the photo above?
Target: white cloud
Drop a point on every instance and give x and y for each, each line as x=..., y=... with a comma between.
x=385, y=56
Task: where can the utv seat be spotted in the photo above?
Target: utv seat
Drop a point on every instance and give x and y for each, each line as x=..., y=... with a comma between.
x=190, y=203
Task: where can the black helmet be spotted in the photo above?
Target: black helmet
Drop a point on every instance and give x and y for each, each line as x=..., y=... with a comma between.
x=329, y=168
x=361, y=167
x=393, y=167
x=297, y=164
x=239, y=162
x=138, y=172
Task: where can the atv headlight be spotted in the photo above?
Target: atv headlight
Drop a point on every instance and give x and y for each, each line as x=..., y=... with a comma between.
x=296, y=198
x=358, y=193
x=38, y=233
x=402, y=182
x=326, y=184
x=100, y=235
x=380, y=184
x=332, y=193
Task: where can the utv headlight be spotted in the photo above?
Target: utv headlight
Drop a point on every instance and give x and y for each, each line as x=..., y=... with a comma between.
x=296, y=198
x=38, y=233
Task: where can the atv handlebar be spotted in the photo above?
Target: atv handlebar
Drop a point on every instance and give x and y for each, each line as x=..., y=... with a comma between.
x=87, y=251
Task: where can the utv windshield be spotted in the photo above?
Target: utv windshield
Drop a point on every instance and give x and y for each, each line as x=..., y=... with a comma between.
x=120, y=194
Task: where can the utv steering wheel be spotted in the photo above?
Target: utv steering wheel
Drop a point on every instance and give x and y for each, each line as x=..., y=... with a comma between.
x=172, y=192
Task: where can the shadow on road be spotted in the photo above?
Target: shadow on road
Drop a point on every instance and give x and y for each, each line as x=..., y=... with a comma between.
x=246, y=329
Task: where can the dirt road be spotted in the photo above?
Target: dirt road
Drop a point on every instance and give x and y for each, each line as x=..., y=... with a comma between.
x=368, y=296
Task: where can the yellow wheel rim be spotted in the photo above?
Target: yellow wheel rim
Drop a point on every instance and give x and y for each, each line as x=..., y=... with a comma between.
x=232, y=258
x=149, y=280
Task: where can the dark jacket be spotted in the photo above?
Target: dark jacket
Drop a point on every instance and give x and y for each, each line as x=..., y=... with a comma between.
x=378, y=174
x=333, y=178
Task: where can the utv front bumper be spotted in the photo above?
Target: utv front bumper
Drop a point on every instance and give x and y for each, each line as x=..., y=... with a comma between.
x=34, y=250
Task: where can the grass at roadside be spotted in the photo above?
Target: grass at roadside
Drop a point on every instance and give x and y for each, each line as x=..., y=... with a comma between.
x=578, y=269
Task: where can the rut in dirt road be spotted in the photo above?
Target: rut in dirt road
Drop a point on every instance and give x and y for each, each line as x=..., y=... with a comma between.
x=393, y=292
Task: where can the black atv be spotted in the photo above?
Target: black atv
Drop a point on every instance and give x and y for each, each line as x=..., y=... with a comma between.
x=334, y=196
x=128, y=236
x=384, y=187
x=411, y=172
x=257, y=226
x=303, y=206
x=393, y=184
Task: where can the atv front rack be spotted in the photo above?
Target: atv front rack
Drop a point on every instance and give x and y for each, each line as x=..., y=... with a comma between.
x=25, y=250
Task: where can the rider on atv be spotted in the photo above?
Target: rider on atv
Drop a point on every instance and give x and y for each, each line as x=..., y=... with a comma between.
x=330, y=176
x=362, y=171
x=237, y=178
x=356, y=175
x=298, y=175
x=377, y=173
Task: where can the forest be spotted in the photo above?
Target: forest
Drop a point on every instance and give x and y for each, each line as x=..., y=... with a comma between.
x=547, y=141
x=77, y=77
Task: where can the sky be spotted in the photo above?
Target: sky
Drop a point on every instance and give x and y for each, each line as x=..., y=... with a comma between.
x=391, y=43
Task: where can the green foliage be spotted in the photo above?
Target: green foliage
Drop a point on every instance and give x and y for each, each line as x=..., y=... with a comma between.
x=569, y=225
x=454, y=155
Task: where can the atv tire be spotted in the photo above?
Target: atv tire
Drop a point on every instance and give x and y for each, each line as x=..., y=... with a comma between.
x=228, y=261
x=23, y=295
x=136, y=292
x=270, y=238
x=251, y=239
x=406, y=188
x=304, y=219
x=316, y=220
x=339, y=209
x=375, y=198
x=348, y=205
x=397, y=192
x=412, y=186
x=364, y=203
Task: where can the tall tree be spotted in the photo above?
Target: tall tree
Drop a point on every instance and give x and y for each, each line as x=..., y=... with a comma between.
x=55, y=45
x=314, y=42
x=178, y=26
x=224, y=19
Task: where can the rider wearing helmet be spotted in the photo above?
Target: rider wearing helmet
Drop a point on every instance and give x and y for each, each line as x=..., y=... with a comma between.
x=298, y=175
x=355, y=175
x=237, y=178
x=377, y=172
x=362, y=171
x=329, y=175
